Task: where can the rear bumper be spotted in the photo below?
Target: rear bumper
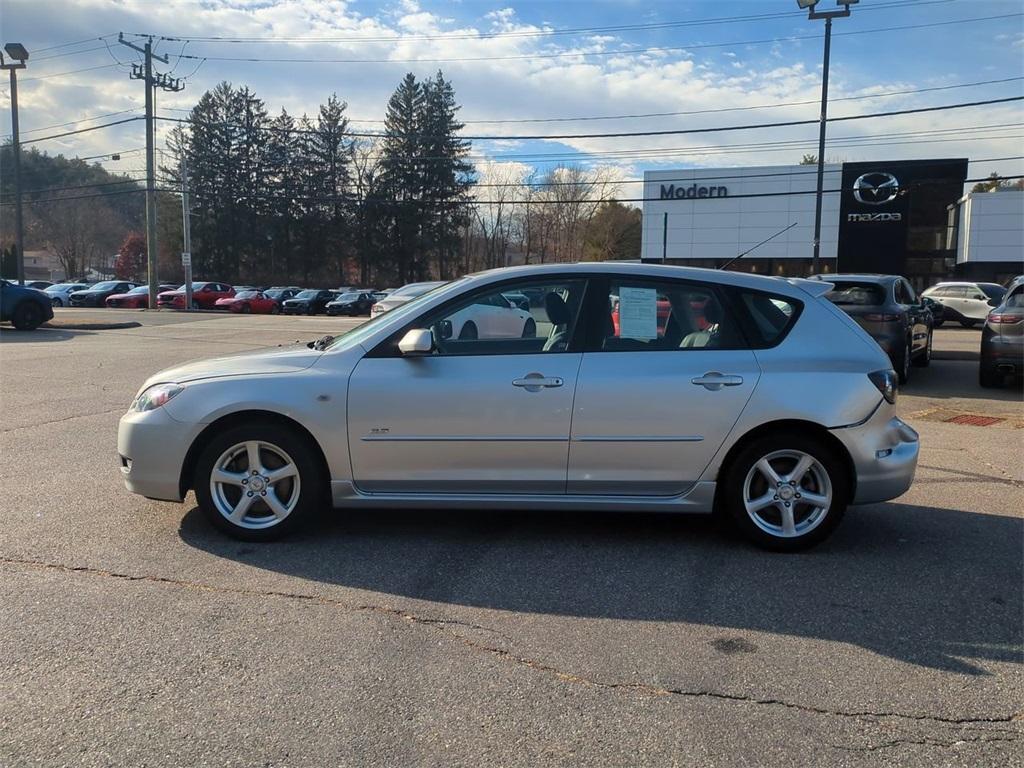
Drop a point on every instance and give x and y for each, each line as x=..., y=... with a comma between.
x=884, y=451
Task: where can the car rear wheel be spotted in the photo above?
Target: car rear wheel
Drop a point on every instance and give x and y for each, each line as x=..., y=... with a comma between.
x=924, y=359
x=246, y=309
x=56, y=302
x=966, y=323
x=786, y=492
x=903, y=364
x=988, y=377
x=274, y=309
x=258, y=482
x=195, y=304
x=27, y=316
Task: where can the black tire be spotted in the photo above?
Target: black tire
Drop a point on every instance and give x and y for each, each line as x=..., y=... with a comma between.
x=530, y=329
x=989, y=378
x=274, y=310
x=195, y=304
x=27, y=316
x=902, y=364
x=310, y=310
x=937, y=322
x=312, y=487
x=246, y=309
x=56, y=302
x=924, y=359
x=732, y=482
x=468, y=332
x=968, y=323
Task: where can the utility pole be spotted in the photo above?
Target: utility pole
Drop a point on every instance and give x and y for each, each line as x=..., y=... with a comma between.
x=186, y=240
x=19, y=56
x=813, y=13
x=152, y=81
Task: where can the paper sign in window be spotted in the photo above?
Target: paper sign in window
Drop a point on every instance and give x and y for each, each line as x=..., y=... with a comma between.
x=638, y=313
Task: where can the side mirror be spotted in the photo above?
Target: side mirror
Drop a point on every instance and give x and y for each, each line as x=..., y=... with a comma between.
x=418, y=341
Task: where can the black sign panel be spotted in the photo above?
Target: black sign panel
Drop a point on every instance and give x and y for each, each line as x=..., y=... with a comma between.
x=894, y=210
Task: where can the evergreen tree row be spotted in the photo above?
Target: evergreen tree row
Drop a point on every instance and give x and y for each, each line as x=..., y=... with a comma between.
x=300, y=200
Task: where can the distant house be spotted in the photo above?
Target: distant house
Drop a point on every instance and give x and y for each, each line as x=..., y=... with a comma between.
x=43, y=265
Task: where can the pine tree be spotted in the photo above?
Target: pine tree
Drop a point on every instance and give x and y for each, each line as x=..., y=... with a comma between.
x=402, y=176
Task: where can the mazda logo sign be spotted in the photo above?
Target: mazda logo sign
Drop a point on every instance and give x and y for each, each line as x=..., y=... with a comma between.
x=876, y=188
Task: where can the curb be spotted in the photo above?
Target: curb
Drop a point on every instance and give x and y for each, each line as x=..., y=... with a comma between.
x=59, y=325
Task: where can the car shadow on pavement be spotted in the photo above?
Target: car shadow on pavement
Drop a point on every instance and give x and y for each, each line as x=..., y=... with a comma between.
x=11, y=336
x=939, y=588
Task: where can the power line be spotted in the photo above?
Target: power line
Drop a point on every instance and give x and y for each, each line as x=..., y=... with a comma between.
x=82, y=130
x=73, y=42
x=343, y=198
x=62, y=74
x=547, y=32
x=76, y=122
x=631, y=134
x=619, y=52
x=695, y=111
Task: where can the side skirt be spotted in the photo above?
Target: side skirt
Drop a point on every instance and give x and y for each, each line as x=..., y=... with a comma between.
x=698, y=499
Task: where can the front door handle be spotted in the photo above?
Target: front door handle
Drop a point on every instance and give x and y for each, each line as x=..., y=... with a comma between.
x=534, y=382
x=713, y=380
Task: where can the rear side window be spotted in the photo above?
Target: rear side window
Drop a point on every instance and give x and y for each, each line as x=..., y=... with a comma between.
x=993, y=291
x=767, y=318
x=859, y=294
x=1016, y=299
x=644, y=315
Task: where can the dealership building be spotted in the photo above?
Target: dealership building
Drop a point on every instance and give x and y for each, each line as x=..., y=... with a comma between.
x=907, y=217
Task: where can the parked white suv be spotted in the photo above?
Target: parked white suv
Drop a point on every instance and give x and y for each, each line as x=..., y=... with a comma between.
x=967, y=303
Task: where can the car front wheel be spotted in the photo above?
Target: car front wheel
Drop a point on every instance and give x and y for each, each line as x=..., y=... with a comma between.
x=259, y=482
x=786, y=492
x=56, y=302
x=924, y=359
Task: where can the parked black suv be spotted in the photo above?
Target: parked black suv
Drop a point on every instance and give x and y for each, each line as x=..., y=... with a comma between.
x=308, y=302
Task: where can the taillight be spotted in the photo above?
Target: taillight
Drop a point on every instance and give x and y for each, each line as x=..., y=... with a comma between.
x=881, y=317
x=886, y=382
x=1004, y=319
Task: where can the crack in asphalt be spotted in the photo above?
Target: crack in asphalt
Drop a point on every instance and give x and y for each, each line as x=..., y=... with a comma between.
x=445, y=625
x=925, y=742
x=35, y=424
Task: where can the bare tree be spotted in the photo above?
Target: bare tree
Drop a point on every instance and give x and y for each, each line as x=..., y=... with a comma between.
x=499, y=192
x=80, y=233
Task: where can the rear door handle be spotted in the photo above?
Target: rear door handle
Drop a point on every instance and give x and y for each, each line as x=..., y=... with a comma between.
x=534, y=382
x=713, y=380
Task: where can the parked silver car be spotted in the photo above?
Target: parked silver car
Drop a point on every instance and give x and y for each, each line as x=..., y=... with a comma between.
x=710, y=391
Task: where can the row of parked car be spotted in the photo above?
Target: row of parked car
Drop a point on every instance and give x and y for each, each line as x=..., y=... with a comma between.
x=122, y=294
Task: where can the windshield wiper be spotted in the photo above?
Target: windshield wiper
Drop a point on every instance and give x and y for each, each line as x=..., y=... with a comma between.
x=321, y=344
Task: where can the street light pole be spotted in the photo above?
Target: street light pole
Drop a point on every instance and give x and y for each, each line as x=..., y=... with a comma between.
x=823, y=114
x=18, y=53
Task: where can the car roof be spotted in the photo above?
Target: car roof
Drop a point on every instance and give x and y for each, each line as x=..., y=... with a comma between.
x=864, y=277
x=794, y=286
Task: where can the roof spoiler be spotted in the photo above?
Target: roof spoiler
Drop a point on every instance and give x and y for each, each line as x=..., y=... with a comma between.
x=817, y=288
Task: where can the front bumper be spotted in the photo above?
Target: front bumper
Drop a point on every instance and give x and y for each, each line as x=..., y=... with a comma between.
x=884, y=451
x=152, y=448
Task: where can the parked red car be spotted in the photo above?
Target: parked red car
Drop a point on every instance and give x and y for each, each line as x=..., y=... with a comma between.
x=204, y=296
x=249, y=301
x=136, y=298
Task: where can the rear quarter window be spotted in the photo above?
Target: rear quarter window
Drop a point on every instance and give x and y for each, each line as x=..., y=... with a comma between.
x=848, y=293
x=766, y=318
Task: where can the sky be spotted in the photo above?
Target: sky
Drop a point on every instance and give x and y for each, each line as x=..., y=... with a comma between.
x=530, y=68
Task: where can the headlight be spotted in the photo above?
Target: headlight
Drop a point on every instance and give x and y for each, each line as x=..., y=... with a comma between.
x=155, y=396
x=886, y=382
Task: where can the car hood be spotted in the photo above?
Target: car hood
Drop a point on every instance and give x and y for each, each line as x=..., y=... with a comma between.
x=288, y=359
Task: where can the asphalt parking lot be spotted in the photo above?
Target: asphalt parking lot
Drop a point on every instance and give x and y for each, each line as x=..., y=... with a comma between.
x=132, y=634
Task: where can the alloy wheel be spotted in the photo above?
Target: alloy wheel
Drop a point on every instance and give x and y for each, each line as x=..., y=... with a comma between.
x=787, y=493
x=255, y=484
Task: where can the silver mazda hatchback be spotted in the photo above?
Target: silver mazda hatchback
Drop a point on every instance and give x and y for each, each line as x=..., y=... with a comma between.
x=618, y=387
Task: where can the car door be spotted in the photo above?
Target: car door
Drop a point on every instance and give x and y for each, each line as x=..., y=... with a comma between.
x=486, y=415
x=977, y=306
x=655, y=400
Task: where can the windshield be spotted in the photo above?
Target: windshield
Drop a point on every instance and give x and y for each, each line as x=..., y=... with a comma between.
x=993, y=291
x=414, y=289
x=107, y=286
x=348, y=297
x=360, y=332
x=862, y=294
x=246, y=295
x=140, y=289
x=275, y=293
x=307, y=295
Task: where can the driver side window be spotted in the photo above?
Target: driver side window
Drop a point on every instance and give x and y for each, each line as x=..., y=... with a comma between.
x=487, y=323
